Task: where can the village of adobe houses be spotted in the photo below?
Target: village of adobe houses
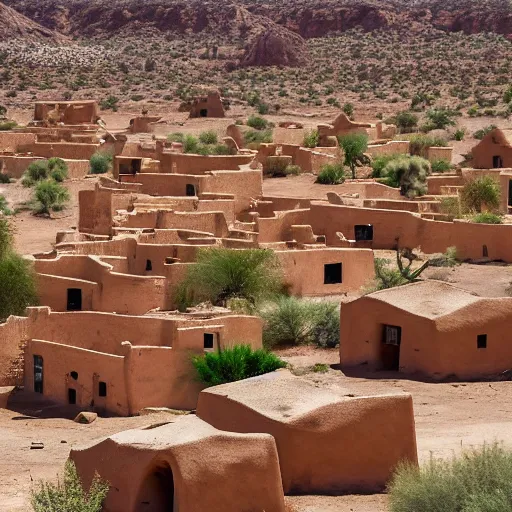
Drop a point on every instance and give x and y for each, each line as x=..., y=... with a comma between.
x=110, y=340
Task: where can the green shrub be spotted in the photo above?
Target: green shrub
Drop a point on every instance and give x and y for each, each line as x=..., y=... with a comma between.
x=440, y=118
x=409, y=173
x=386, y=276
x=208, y=137
x=7, y=125
x=311, y=139
x=331, y=174
x=488, y=218
x=348, y=108
x=36, y=171
x=451, y=207
x=58, y=169
x=70, y=495
x=100, y=163
x=379, y=163
x=50, y=195
x=4, y=206
x=109, y=103
x=190, y=144
x=480, y=192
x=234, y=364
x=354, y=145
x=440, y=165
x=480, y=134
x=255, y=137
x=257, y=122
x=447, y=259
x=263, y=109
x=459, y=134
x=478, y=481
x=222, y=149
x=276, y=166
x=420, y=143
x=221, y=274
x=293, y=170
x=292, y=321
x=405, y=121
x=176, y=137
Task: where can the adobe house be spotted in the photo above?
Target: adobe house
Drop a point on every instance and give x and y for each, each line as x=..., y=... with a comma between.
x=125, y=363
x=65, y=112
x=494, y=151
x=186, y=465
x=143, y=124
x=312, y=426
x=430, y=328
x=208, y=105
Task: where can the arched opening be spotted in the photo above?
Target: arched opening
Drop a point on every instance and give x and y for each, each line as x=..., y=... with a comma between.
x=156, y=493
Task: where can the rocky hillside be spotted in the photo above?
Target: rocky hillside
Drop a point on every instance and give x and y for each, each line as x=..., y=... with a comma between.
x=14, y=25
x=309, y=18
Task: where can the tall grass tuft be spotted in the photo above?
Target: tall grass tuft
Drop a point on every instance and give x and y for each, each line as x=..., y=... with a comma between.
x=478, y=481
x=234, y=364
x=331, y=174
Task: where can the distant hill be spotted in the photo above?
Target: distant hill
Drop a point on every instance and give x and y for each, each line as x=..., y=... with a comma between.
x=14, y=25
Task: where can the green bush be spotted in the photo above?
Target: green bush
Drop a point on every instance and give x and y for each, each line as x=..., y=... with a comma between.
x=36, y=171
x=277, y=167
x=478, y=481
x=331, y=174
x=100, y=163
x=58, y=169
x=293, y=170
x=488, y=218
x=255, y=137
x=409, y=173
x=440, y=165
x=420, y=143
x=480, y=134
x=451, y=207
x=176, y=137
x=480, y=192
x=405, y=121
x=109, y=103
x=379, y=163
x=292, y=321
x=208, y=137
x=448, y=259
x=222, y=149
x=4, y=206
x=348, y=108
x=234, y=364
x=7, y=125
x=311, y=139
x=440, y=118
x=70, y=495
x=459, y=134
x=221, y=274
x=386, y=276
x=354, y=145
x=257, y=122
x=50, y=195
x=17, y=277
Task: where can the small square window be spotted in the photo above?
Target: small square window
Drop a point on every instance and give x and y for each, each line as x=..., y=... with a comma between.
x=208, y=340
x=392, y=335
x=481, y=341
x=332, y=273
x=102, y=389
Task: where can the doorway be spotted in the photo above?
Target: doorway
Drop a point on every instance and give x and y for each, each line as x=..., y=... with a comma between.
x=190, y=190
x=203, y=112
x=157, y=491
x=510, y=192
x=390, y=348
x=38, y=374
x=71, y=396
x=363, y=232
x=74, y=299
x=497, y=162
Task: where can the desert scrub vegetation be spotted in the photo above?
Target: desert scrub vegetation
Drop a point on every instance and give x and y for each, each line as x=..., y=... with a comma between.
x=7, y=125
x=293, y=321
x=421, y=142
x=206, y=144
x=18, y=288
x=408, y=173
x=441, y=165
x=233, y=364
x=311, y=139
x=100, y=163
x=480, y=134
x=69, y=494
x=258, y=123
x=487, y=218
x=331, y=174
x=220, y=275
x=54, y=168
x=4, y=206
x=479, y=480
x=354, y=145
x=49, y=196
x=278, y=167
x=439, y=119
x=253, y=138
x=479, y=193
x=405, y=121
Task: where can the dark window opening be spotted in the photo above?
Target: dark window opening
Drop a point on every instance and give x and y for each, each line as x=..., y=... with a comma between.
x=149, y=266
x=497, y=162
x=74, y=375
x=392, y=335
x=208, y=340
x=510, y=192
x=74, y=299
x=71, y=396
x=38, y=374
x=190, y=190
x=363, y=232
x=102, y=389
x=133, y=166
x=481, y=341
x=203, y=112
x=332, y=273
x=485, y=251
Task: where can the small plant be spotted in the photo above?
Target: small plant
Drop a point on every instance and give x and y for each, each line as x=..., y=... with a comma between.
x=331, y=174
x=69, y=495
x=440, y=118
x=293, y=170
x=208, y=137
x=100, y=163
x=292, y=321
x=354, y=145
x=234, y=364
x=478, y=481
x=320, y=368
x=440, y=165
x=258, y=123
x=176, y=137
x=253, y=138
x=190, y=144
x=420, y=143
x=480, y=192
x=448, y=259
x=409, y=173
x=348, y=109
x=109, y=103
x=7, y=125
x=58, y=169
x=405, y=121
x=220, y=275
x=50, y=196
x=311, y=139
x=4, y=206
x=459, y=134
x=276, y=167
x=379, y=164
x=36, y=171
x=480, y=134
x=487, y=218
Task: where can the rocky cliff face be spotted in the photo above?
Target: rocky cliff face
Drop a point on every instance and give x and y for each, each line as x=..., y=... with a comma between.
x=308, y=18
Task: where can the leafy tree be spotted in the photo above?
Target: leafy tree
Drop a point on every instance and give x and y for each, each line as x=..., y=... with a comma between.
x=480, y=192
x=70, y=495
x=234, y=364
x=354, y=145
x=221, y=274
x=439, y=118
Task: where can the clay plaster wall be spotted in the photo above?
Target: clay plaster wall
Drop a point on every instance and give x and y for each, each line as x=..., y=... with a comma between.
x=185, y=163
x=66, y=150
x=11, y=141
